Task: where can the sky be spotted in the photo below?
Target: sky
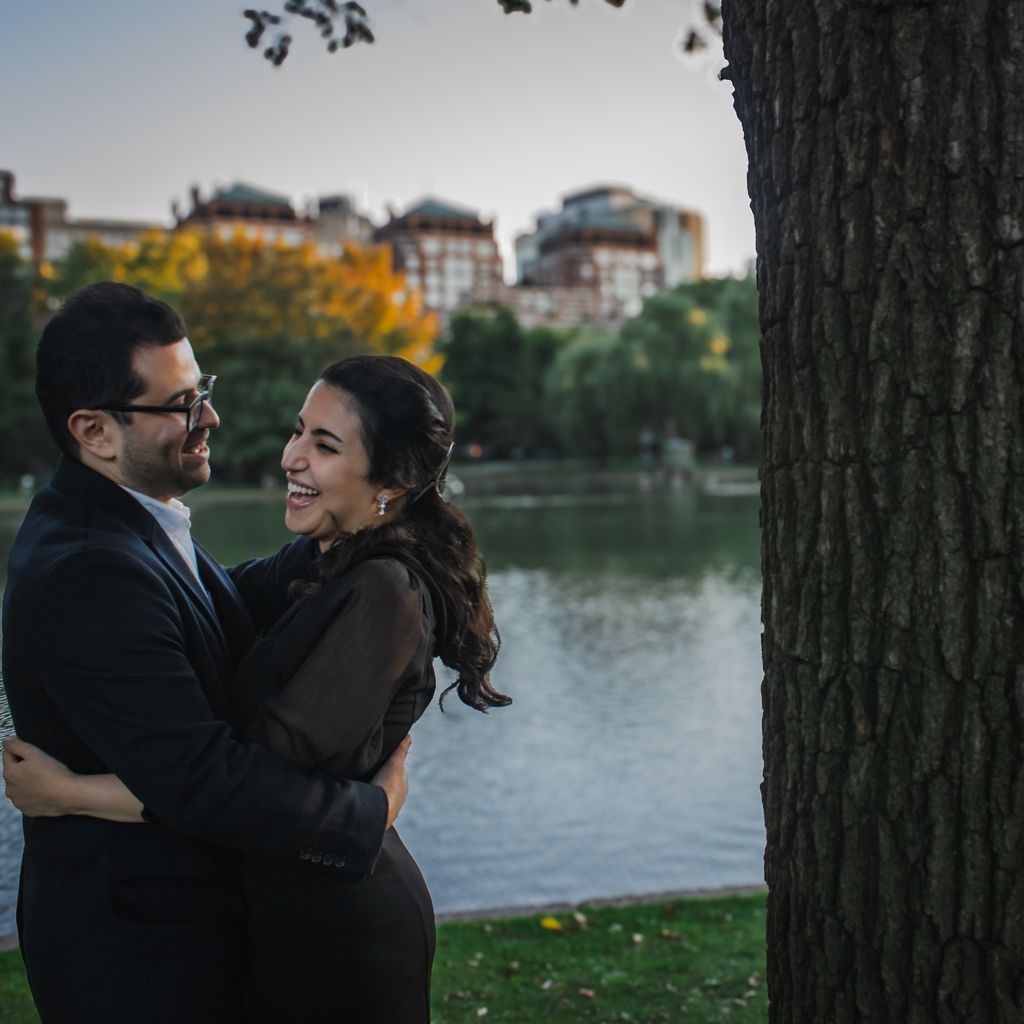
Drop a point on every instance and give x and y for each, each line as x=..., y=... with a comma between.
x=120, y=106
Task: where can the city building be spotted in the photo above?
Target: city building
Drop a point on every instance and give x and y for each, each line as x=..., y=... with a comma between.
x=45, y=232
x=593, y=261
x=559, y=308
x=252, y=211
x=612, y=242
x=62, y=233
x=19, y=219
x=337, y=221
x=447, y=252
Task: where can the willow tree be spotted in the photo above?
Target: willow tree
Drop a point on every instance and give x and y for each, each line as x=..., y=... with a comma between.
x=886, y=176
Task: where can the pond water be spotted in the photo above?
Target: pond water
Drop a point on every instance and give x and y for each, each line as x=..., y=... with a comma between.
x=631, y=759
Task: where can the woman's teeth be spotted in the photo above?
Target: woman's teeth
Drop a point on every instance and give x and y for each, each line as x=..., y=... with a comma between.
x=299, y=489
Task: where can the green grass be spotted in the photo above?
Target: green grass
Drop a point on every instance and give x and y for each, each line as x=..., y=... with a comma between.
x=698, y=960
x=683, y=960
x=15, y=1002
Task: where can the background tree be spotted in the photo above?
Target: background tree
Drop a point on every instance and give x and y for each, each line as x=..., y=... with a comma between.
x=673, y=371
x=495, y=370
x=266, y=318
x=886, y=161
x=732, y=304
x=691, y=382
x=592, y=395
x=22, y=429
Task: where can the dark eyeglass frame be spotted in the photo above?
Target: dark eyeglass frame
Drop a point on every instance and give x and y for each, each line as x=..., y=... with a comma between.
x=193, y=410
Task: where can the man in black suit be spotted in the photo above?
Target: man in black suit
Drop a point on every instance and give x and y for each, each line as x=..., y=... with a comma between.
x=119, y=638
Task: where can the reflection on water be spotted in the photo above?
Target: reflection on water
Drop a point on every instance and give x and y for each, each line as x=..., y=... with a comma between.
x=631, y=759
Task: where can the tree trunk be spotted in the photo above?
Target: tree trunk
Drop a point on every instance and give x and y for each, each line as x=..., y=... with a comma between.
x=886, y=148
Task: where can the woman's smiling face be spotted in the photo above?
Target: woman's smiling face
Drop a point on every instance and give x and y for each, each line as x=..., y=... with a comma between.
x=326, y=466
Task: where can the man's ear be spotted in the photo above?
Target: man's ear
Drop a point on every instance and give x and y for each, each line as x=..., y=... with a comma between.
x=96, y=433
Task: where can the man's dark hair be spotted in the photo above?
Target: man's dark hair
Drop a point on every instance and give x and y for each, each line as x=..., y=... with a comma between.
x=84, y=359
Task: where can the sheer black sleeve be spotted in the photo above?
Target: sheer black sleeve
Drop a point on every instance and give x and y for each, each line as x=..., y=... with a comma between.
x=331, y=713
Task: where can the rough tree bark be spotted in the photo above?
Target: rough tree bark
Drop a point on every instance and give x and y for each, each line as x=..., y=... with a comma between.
x=886, y=149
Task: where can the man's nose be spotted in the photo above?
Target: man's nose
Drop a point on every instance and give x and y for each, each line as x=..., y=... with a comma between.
x=209, y=420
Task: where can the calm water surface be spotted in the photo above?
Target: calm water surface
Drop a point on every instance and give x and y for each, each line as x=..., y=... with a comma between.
x=631, y=759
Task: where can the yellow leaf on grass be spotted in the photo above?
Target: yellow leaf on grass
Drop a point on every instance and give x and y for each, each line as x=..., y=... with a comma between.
x=551, y=923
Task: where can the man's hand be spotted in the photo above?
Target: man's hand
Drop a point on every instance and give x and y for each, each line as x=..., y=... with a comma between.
x=392, y=779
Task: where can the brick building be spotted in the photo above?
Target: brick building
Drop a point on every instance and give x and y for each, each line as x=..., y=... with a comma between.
x=447, y=252
x=254, y=212
x=44, y=231
x=619, y=246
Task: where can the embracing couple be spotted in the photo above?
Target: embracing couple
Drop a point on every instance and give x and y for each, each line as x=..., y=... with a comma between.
x=210, y=761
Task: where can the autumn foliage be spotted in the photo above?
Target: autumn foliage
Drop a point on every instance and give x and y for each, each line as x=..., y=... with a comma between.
x=265, y=317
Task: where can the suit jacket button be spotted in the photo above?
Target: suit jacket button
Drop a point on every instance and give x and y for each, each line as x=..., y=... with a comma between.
x=328, y=859
x=317, y=857
x=305, y=854
x=339, y=862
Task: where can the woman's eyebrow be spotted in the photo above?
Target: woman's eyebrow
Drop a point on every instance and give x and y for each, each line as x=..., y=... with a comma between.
x=321, y=432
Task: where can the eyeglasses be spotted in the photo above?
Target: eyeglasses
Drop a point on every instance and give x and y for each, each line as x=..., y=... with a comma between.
x=193, y=410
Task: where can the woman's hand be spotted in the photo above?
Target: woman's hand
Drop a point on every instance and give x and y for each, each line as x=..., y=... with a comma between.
x=40, y=786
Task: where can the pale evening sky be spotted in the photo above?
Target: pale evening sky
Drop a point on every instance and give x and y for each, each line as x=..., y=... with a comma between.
x=119, y=106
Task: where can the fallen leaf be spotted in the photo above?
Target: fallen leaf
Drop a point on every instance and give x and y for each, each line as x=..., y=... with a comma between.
x=551, y=923
x=587, y=993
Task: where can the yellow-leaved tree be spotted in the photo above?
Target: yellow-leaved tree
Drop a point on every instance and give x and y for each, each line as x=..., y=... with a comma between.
x=266, y=318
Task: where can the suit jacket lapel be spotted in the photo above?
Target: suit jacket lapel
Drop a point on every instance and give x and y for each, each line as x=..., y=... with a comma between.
x=231, y=611
x=91, y=488
x=172, y=558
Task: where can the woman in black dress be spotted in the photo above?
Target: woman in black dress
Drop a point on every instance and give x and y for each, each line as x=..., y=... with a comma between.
x=336, y=684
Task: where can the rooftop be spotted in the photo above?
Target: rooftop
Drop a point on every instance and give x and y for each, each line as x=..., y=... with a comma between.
x=592, y=192
x=242, y=193
x=437, y=208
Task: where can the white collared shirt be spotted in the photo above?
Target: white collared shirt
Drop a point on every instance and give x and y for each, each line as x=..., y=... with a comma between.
x=176, y=519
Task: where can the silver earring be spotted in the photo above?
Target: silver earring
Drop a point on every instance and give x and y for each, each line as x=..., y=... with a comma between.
x=382, y=504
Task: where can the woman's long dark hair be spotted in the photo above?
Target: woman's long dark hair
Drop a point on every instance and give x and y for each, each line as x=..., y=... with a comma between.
x=407, y=421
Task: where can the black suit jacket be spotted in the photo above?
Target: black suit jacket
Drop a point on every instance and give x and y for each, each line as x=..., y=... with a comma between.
x=116, y=660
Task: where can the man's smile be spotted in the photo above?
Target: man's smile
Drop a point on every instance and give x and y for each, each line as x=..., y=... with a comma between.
x=197, y=447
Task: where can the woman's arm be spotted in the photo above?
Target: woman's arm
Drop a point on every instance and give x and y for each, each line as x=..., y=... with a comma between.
x=40, y=786
x=342, y=690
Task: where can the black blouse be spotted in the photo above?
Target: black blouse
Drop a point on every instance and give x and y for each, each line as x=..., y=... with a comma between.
x=344, y=673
